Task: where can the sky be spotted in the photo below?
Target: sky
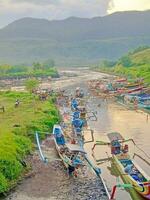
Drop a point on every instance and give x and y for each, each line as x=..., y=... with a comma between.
x=11, y=10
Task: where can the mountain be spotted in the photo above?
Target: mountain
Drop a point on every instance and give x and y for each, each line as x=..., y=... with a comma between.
x=74, y=41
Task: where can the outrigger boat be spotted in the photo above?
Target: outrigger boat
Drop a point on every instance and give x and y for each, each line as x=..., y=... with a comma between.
x=69, y=140
x=144, y=101
x=129, y=170
x=137, y=101
x=72, y=155
x=144, y=104
x=79, y=93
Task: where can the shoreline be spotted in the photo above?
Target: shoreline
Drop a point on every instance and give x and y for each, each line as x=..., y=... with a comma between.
x=51, y=182
x=31, y=187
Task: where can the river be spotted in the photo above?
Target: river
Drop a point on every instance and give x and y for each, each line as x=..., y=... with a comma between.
x=111, y=117
x=114, y=117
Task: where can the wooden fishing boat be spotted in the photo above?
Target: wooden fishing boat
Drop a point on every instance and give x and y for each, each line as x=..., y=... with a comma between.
x=144, y=105
x=72, y=155
x=136, y=101
x=135, y=90
x=144, y=101
x=135, y=83
x=129, y=170
x=121, y=80
x=79, y=93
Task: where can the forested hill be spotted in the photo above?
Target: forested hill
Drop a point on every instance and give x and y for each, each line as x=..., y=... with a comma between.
x=121, y=24
x=135, y=64
x=74, y=40
x=140, y=57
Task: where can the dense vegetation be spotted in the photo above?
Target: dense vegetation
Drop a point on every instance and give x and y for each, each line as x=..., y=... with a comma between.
x=136, y=64
x=36, y=70
x=18, y=126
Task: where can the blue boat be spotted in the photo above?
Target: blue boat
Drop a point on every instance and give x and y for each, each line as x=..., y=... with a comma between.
x=72, y=155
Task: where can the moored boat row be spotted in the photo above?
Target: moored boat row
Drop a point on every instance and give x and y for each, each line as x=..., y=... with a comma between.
x=69, y=138
x=133, y=94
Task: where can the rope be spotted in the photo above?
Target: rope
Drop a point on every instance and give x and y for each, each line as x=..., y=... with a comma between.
x=141, y=150
x=141, y=158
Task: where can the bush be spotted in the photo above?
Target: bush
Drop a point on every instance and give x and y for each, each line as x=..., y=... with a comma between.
x=126, y=61
x=36, y=70
x=3, y=184
x=12, y=152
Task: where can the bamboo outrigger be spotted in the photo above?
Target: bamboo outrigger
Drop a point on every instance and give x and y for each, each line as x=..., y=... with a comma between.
x=72, y=155
x=128, y=169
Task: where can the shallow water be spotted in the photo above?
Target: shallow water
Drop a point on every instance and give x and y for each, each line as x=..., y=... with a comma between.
x=114, y=117
x=131, y=124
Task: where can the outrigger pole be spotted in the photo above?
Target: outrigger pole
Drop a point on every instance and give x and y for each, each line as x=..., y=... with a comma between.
x=92, y=117
x=98, y=172
x=43, y=158
x=95, y=169
x=92, y=137
x=135, y=154
x=128, y=186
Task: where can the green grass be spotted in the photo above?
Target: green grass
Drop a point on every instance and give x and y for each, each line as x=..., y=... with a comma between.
x=18, y=126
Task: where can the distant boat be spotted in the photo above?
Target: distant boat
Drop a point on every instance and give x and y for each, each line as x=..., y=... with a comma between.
x=144, y=105
x=141, y=101
x=144, y=101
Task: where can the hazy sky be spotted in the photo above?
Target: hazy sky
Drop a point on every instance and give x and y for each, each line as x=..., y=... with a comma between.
x=11, y=10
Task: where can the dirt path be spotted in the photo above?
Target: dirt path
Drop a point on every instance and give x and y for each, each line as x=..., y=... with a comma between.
x=51, y=182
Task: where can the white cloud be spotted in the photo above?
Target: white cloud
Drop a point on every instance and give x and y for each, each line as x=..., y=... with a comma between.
x=11, y=10
x=122, y=5
x=50, y=9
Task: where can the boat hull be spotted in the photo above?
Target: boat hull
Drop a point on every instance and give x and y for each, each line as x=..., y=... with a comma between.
x=142, y=189
x=147, y=107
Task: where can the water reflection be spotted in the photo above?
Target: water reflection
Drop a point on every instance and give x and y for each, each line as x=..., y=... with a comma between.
x=131, y=124
x=113, y=117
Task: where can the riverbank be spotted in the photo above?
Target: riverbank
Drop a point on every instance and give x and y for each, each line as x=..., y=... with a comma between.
x=18, y=125
x=111, y=117
x=51, y=182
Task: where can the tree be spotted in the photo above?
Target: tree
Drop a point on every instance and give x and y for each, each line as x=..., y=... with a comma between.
x=31, y=84
x=48, y=64
x=108, y=63
x=4, y=69
x=126, y=61
x=37, y=66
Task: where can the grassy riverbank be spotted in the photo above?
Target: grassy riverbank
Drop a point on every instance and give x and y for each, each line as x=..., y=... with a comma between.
x=18, y=126
x=133, y=65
